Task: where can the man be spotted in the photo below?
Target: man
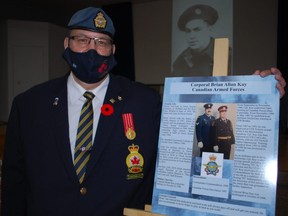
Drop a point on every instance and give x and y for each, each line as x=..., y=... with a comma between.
x=197, y=23
x=39, y=177
x=203, y=130
x=43, y=149
x=222, y=131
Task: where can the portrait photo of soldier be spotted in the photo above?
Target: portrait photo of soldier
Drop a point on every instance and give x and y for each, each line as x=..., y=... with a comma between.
x=223, y=133
x=203, y=129
x=197, y=25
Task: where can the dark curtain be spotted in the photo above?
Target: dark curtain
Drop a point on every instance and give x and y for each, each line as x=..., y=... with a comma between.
x=282, y=59
x=121, y=14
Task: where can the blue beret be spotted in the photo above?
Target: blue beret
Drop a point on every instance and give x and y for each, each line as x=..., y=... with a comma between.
x=92, y=19
x=199, y=11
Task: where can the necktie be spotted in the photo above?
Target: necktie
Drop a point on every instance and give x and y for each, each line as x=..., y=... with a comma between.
x=84, y=137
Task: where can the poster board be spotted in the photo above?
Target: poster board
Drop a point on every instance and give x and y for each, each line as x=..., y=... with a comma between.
x=187, y=183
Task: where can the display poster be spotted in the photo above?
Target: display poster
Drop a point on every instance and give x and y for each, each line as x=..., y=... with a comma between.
x=218, y=147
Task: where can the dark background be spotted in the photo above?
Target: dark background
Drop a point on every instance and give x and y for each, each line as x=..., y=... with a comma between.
x=282, y=59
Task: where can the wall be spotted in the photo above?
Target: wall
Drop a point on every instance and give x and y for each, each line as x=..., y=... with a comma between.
x=255, y=35
x=152, y=40
x=31, y=54
x=57, y=65
x=255, y=38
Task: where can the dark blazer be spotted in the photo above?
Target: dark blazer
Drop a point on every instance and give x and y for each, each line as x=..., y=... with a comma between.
x=39, y=178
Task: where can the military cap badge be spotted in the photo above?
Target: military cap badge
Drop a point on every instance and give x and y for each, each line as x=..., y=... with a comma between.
x=100, y=21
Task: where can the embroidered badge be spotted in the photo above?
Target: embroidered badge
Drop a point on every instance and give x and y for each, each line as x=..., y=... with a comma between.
x=129, y=128
x=212, y=166
x=134, y=162
x=198, y=11
x=100, y=21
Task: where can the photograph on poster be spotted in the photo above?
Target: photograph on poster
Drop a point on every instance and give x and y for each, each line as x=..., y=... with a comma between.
x=215, y=129
x=195, y=25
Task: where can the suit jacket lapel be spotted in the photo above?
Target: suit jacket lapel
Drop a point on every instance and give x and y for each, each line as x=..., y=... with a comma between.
x=106, y=123
x=59, y=120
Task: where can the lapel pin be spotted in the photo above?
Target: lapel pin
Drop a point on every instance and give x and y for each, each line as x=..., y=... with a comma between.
x=112, y=100
x=55, y=103
x=107, y=109
x=119, y=98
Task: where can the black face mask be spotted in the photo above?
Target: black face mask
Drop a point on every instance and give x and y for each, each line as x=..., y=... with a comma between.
x=89, y=67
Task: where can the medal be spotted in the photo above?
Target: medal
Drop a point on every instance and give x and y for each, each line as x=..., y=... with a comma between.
x=130, y=134
x=129, y=128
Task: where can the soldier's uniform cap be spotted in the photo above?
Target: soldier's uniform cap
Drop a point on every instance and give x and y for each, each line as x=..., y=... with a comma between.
x=222, y=108
x=199, y=11
x=209, y=105
x=92, y=19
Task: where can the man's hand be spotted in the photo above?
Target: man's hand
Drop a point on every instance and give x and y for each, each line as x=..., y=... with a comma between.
x=200, y=144
x=278, y=76
x=216, y=148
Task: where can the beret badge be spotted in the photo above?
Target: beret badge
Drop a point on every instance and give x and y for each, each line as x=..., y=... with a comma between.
x=100, y=21
x=198, y=11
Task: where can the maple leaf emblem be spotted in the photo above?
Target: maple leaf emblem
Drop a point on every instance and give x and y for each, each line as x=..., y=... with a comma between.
x=135, y=160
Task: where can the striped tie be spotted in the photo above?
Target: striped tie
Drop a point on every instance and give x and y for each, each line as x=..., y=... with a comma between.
x=84, y=137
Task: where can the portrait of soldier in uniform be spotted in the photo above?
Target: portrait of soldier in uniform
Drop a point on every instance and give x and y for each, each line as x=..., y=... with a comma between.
x=222, y=133
x=203, y=129
x=196, y=26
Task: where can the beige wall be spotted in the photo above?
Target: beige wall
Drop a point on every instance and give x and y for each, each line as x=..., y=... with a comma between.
x=33, y=53
x=255, y=38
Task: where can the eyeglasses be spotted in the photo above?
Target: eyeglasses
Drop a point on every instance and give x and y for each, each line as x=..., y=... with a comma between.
x=83, y=42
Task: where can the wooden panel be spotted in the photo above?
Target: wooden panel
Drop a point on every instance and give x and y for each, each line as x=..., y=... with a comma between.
x=221, y=55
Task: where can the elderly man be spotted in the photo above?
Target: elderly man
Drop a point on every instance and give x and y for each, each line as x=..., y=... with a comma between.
x=85, y=143
x=223, y=136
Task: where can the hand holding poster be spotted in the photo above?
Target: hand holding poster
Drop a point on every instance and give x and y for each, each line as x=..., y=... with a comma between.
x=218, y=146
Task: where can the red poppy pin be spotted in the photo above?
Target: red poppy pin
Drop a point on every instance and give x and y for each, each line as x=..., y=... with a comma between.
x=107, y=110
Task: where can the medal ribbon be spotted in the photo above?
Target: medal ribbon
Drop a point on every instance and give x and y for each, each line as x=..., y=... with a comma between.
x=128, y=122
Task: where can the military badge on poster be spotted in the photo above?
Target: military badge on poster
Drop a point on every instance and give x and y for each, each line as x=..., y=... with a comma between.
x=212, y=165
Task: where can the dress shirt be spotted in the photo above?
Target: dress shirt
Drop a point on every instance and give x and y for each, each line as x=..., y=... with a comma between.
x=75, y=103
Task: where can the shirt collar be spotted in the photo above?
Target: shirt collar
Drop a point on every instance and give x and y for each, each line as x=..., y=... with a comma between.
x=76, y=91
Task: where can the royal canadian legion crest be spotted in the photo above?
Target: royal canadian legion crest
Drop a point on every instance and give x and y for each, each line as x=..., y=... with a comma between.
x=134, y=162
